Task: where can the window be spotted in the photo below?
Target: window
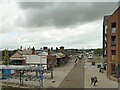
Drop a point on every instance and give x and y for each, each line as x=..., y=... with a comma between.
x=114, y=24
x=113, y=27
x=113, y=40
x=113, y=52
x=113, y=55
x=113, y=30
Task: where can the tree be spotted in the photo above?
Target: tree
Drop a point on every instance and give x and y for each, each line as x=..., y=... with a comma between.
x=5, y=57
x=98, y=51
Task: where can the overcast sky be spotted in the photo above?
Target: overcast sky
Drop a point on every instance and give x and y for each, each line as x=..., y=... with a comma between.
x=53, y=24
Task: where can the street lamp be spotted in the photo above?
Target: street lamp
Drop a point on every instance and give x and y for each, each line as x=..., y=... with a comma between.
x=41, y=72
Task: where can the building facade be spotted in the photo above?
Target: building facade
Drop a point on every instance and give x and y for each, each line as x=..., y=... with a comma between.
x=17, y=59
x=113, y=44
x=0, y=57
x=105, y=38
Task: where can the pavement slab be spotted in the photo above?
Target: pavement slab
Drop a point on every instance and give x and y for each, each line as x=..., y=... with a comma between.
x=75, y=78
x=103, y=81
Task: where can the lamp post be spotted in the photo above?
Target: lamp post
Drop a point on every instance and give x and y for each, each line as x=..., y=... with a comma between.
x=41, y=72
x=51, y=66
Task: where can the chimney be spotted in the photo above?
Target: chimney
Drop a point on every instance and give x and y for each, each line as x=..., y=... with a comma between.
x=33, y=50
x=61, y=49
x=48, y=51
x=51, y=48
x=57, y=49
x=45, y=48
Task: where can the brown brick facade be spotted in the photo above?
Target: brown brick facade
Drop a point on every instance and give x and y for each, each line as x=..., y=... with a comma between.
x=113, y=38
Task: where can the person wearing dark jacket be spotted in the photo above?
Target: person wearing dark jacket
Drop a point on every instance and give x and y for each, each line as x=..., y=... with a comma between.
x=76, y=61
x=95, y=80
x=92, y=80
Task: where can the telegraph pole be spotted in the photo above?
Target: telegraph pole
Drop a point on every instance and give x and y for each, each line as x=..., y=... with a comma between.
x=51, y=66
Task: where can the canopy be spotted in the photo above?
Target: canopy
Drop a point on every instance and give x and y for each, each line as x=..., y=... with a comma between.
x=20, y=67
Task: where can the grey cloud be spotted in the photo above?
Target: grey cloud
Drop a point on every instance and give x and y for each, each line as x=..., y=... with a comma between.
x=64, y=14
x=33, y=5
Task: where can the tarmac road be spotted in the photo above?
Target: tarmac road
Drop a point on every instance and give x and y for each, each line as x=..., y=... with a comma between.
x=75, y=78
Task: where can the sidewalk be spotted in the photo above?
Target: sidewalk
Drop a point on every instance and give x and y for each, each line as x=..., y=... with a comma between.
x=59, y=74
x=75, y=78
x=103, y=81
x=71, y=76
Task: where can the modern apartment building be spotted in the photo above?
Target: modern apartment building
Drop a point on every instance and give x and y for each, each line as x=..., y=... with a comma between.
x=0, y=57
x=111, y=43
x=105, y=38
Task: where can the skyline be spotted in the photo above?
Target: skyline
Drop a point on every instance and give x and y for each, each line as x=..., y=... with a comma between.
x=53, y=24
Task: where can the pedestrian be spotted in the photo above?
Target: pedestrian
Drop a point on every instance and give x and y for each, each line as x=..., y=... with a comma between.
x=100, y=70
x=92, y=80
x=95, y=80
x=76, y=61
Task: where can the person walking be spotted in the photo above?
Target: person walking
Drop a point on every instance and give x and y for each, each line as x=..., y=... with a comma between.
x=76, y=61
x=100, y=70
x=95, y=80
x=92, y=80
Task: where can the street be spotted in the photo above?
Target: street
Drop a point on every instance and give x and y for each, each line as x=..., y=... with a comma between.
x=73, y=76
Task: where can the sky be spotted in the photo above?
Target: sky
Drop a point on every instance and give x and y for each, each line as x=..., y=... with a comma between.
x=53, y=24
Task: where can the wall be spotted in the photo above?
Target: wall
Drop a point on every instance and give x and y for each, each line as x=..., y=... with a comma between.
x=0, y=57
x=113, y=18
x=35, y=59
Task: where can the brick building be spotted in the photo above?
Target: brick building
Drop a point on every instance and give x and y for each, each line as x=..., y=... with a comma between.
x=112, y=49
x=105, y=38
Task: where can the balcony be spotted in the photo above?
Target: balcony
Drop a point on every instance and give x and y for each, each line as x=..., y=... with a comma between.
x=106, y=41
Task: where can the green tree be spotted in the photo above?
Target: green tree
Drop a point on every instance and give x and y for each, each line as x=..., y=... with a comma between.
x=98, y=51
x=5, y=57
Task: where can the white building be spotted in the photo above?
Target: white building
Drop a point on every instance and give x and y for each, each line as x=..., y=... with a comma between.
x=37, y=59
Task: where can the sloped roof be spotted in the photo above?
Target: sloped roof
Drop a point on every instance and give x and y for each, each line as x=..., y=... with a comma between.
x=59, y=55
x=26, y=52
x=17, y=55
